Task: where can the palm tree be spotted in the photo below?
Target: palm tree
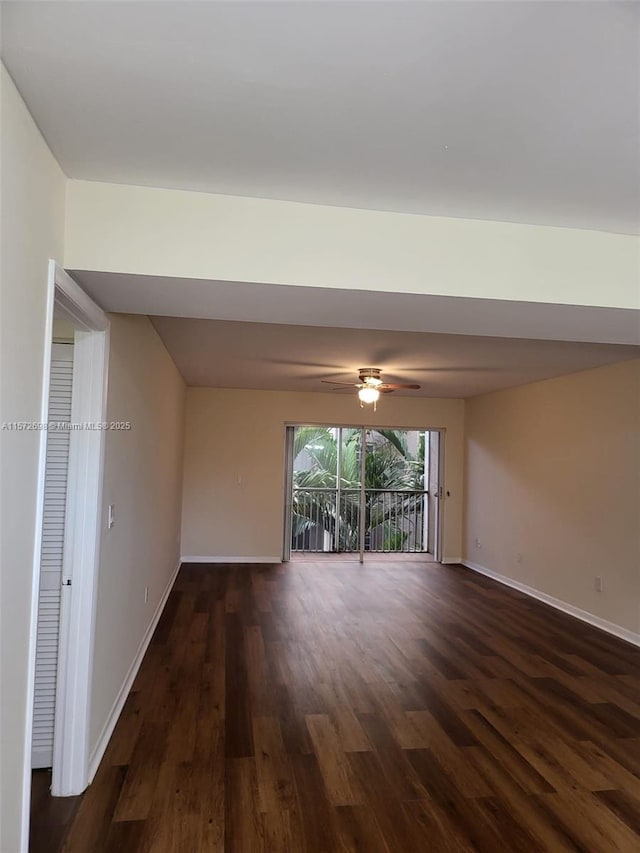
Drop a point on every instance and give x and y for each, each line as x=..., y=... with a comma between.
x=389, y=467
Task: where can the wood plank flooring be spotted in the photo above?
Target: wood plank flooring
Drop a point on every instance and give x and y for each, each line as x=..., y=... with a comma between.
x=50, y=816
x=391, y=707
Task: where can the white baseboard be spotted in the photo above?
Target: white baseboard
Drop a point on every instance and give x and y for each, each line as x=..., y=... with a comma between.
x=558, y=604
x=121, y=698
x=217, y=559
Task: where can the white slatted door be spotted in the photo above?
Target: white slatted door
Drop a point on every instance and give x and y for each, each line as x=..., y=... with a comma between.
x=55, y=501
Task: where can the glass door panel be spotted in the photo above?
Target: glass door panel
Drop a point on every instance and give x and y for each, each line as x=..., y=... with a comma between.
x=314, y=489
x=395, y=492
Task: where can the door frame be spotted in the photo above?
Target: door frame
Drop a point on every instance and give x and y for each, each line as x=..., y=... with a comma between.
x=70, y=771
x=289, y=435
x=440, y=497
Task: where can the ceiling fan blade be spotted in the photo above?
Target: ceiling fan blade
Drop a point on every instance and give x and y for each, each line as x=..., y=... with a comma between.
x=296, y=362
x=386, y=390
x=393, y=385
x=334, y=382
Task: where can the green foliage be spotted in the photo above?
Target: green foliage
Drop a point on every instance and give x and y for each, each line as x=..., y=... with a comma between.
x=388, y=466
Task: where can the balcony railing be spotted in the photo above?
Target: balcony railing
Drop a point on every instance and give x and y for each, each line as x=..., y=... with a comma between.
x=328, y=520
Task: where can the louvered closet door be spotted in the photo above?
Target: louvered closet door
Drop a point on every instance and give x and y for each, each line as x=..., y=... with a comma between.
x=55, y=499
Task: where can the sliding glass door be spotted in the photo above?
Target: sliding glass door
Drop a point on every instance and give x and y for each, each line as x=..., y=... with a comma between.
x=361, y=490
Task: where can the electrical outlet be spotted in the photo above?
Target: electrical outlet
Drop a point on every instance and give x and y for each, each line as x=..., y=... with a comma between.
x=518, y=557
x=146, y=595
x=477, y=543
x=599, y=584
x=111, y=516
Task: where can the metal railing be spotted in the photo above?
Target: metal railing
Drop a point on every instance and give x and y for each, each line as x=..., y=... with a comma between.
x=328, y=520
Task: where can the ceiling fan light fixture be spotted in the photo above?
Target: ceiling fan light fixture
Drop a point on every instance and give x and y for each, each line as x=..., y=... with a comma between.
x=368, y=394
x=371, y=385
x=370, y=376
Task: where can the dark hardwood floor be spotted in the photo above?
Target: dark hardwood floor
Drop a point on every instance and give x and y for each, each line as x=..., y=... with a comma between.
x=391, y=707
x=50, y=816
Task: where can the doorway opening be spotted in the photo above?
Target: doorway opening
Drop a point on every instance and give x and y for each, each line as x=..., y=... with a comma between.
x=362, y=490
x=66, y=553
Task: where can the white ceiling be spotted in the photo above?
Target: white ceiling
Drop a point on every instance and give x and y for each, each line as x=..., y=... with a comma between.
x=517, y=111
x=232, y=354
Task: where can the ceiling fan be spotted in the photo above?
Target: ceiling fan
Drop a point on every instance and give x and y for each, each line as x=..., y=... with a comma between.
x=371, y=385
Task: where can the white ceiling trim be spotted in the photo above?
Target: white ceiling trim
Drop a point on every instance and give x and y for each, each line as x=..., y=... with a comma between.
x=358, y=309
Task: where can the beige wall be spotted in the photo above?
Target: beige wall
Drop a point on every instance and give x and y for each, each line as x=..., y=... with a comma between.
x=32, y=206
x=553, y=473
x=151, y=231
x=234, y=462
x=63, y=330
x=143, y=478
